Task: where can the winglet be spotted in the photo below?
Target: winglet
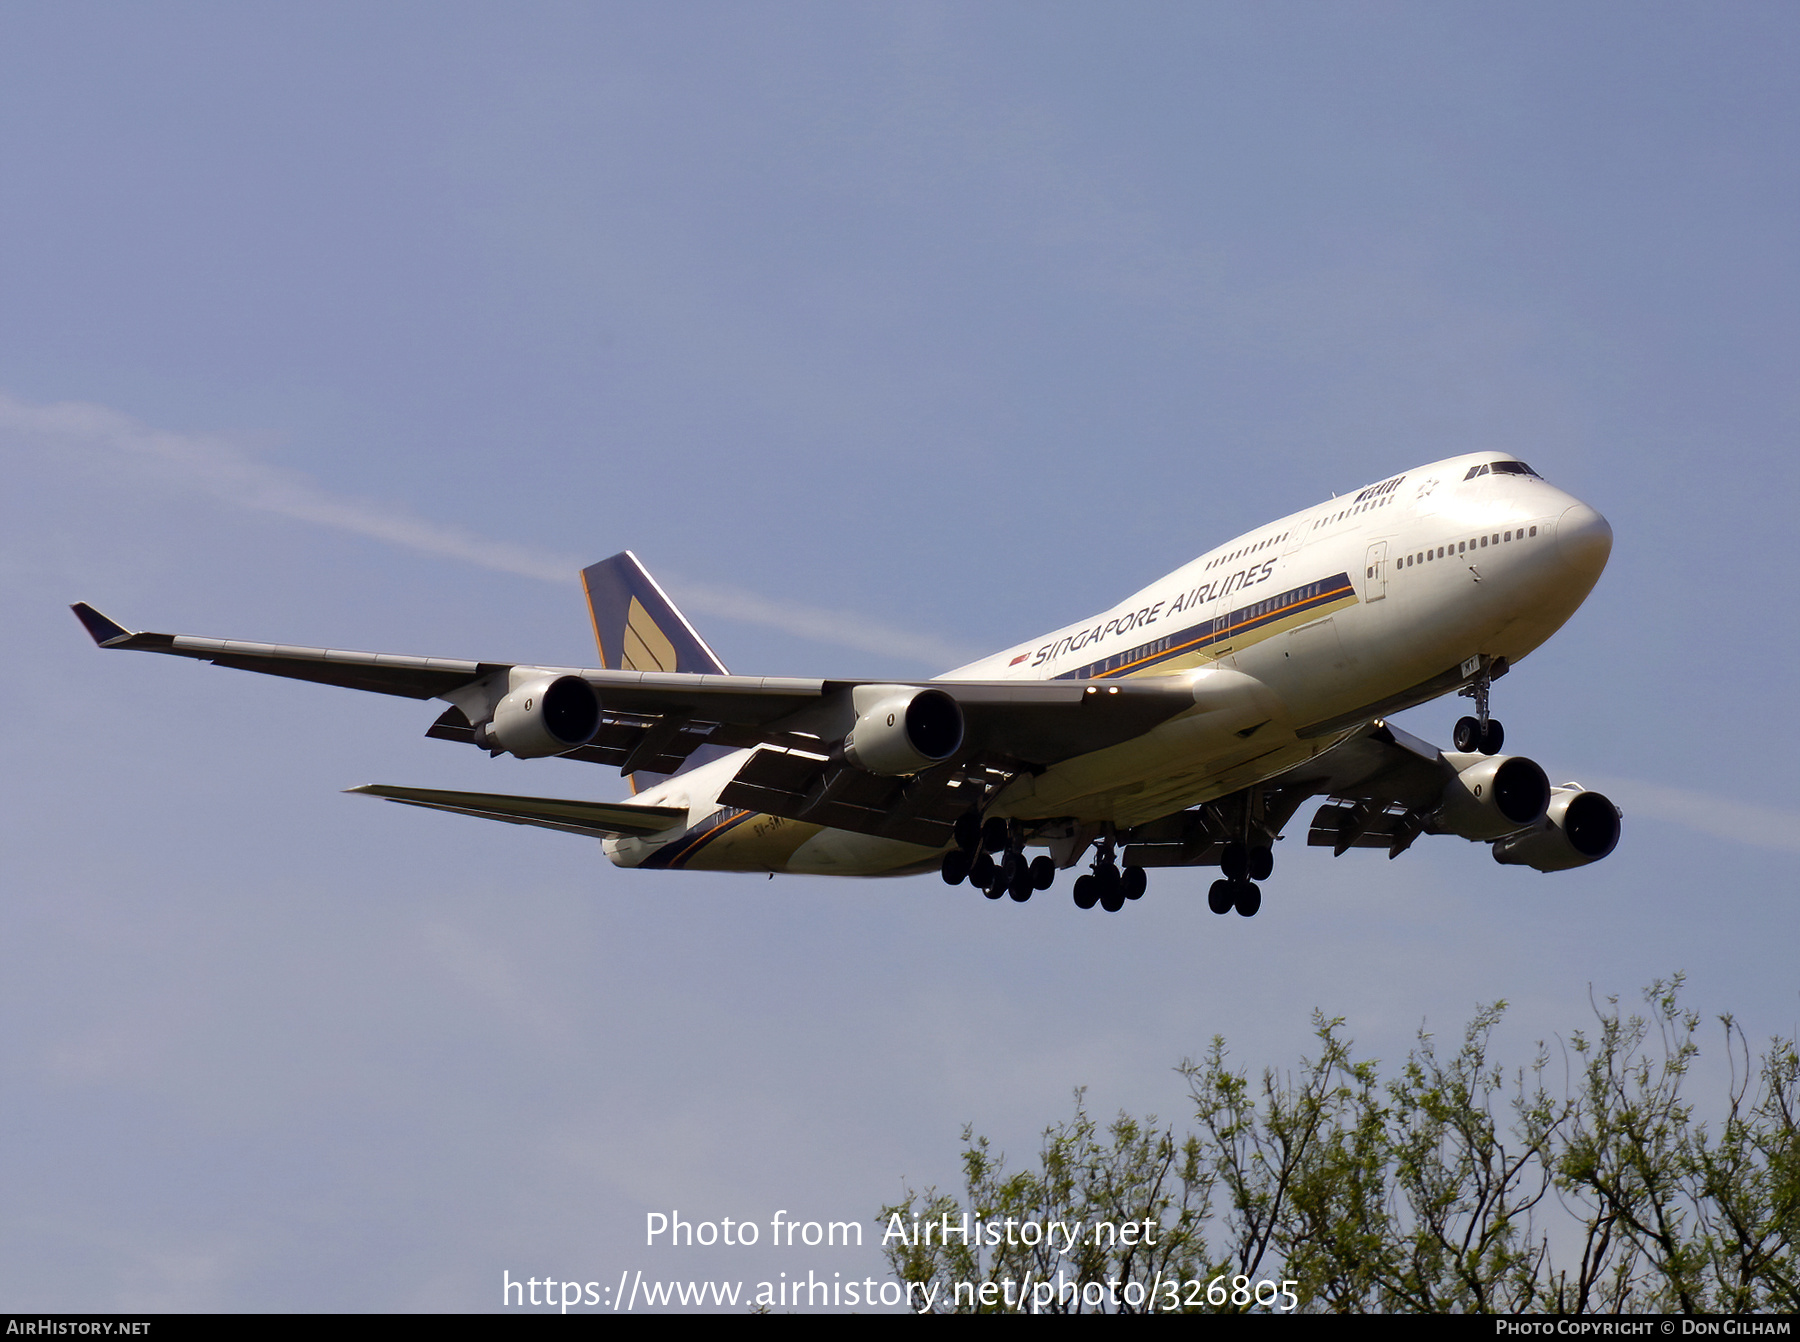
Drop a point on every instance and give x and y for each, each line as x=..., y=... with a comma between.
x=104, y=631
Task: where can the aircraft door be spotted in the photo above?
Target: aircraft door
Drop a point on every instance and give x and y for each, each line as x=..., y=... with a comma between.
x=1375, y=572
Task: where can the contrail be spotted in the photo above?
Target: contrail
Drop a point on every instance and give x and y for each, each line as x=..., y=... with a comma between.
x=1721, y=817
x=222, y=469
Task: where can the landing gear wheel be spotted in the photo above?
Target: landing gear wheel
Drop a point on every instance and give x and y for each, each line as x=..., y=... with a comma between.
x=955, y=869
x=1043, y=873
x=1112, y=889
x=1262, y=862
x=1249, y=899
x=1221, y=897
x=1021, y=885
x=1234, y=861
x=968, y=831
x=1467, y=735
x=1087, y=892
x=1493, y=737
x=981, y=871
x=993, y=835
x=1134, y=882
x=995, y=888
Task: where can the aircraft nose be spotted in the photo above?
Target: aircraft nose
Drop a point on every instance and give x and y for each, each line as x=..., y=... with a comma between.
x=1584, y=537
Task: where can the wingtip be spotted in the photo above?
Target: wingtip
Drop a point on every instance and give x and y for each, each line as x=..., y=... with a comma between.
x=102, y=630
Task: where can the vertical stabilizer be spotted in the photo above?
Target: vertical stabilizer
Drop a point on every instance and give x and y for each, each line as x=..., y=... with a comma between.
x=636, y=625
x=637, y=628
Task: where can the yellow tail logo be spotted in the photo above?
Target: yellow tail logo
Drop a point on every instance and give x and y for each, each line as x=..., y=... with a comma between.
x=647, y=648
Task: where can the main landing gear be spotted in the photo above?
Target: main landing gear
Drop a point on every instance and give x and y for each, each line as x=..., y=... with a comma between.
x=1243, y=864
x=1107, y=885
x=1481, y=733
x=991, y=857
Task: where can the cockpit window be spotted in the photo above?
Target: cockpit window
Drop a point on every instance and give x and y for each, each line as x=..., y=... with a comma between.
x=1502, y=468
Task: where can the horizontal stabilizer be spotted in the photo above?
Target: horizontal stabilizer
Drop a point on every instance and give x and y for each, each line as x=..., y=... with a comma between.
x=601, y=819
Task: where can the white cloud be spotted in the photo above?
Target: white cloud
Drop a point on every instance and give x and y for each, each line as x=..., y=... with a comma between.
x=224, y=470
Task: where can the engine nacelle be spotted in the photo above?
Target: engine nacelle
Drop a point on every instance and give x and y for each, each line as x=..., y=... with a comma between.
x=1579, y=828
x=547, y=715
x=901, y=729
x=1492, y=795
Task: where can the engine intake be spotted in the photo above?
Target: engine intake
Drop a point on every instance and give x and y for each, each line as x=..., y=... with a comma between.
x=903, y=729
x=1579, y=828
x=1492, y=796
x=548, y=715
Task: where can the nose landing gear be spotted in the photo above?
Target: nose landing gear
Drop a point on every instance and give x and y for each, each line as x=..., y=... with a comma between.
x=1481, y=733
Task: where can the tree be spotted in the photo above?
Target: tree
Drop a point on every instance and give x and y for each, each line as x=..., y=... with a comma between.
x=1454, y=1186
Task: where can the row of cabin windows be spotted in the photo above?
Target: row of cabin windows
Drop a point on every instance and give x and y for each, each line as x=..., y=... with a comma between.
x=1352, y=512
x=1461, y=547
x=1248, y=549
x=1201, y=632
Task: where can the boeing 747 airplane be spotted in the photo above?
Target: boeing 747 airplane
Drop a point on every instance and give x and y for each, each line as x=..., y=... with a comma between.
x=1183, y=727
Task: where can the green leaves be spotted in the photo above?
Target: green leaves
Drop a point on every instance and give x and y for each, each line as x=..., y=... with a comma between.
x=1457, y=1185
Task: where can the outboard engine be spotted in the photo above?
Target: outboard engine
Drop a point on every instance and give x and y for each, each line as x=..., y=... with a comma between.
x=1578, y=828
x=546, y=715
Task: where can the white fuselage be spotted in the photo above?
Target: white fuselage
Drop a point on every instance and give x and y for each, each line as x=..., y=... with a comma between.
x=1359, y=606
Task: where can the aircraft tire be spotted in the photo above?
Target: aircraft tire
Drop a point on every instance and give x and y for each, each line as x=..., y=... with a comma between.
x=1262, y=862
x=1249, y=899
x=1467, y=735
x=994, y=888
x=993, y=835
x=1112, y=888
x=1493, y=738
x=955, y=869
x=981, y=871
x=1221, y=897
x=1087, y=892
x=1021, y=885
x=1135, y=882
x=968, y=831
x=1234, y=861
x=1043, y=873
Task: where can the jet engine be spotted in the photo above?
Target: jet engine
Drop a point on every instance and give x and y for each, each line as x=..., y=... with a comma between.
x=1580, y=827
x=547, y=715
x=1491, y=795
x=901, y=729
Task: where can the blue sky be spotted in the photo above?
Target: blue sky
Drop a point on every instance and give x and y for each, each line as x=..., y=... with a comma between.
x=886, y=335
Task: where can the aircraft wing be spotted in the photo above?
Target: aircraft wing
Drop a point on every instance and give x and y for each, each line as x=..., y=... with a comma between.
x=607, y=820
x=1382, y=787
x=652, y=720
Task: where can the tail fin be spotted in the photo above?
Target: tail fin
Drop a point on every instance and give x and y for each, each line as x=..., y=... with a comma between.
x=637, y=628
